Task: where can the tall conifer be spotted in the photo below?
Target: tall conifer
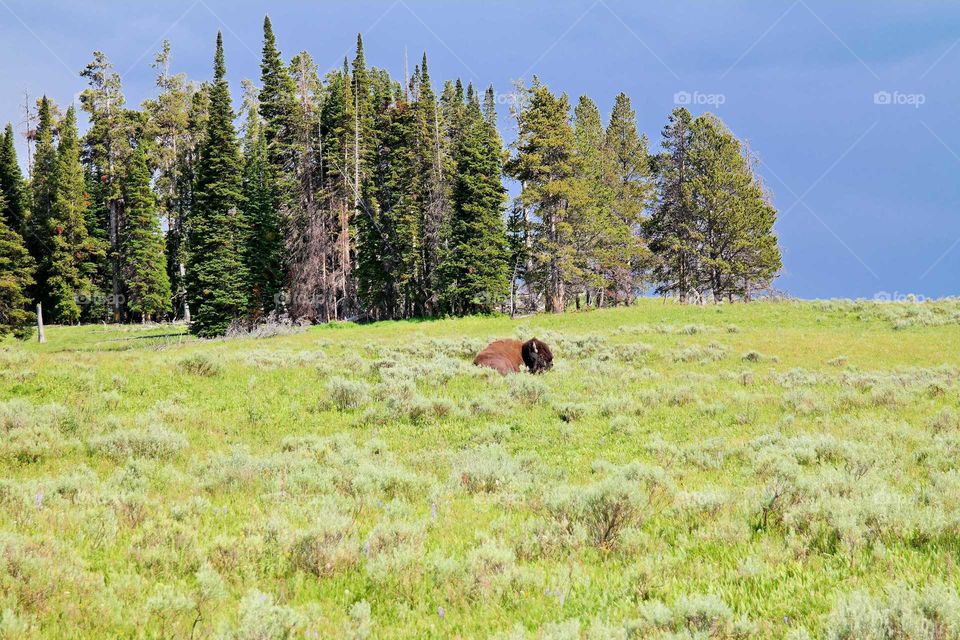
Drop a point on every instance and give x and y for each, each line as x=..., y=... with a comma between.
x=590, y=222
x=624, y=255
x=168, y=123
x=107, y=144
x=16, y=276
x=546, y=164
x=672, y=229
x=12, y=188
x=474, y=276
x=433, y=187
x=143, y=264
x=178, y=237
x=739, y=252
x=43, y=185
x=216, y=275
x=72, y=261
x=383, y=171
x=336, y=144
x=263, y=252
x=365, y=134
x=276, y=103
x=270, y=219
x=490, y=107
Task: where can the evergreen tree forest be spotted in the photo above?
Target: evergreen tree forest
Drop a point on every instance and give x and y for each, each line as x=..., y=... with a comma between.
x=355, y=195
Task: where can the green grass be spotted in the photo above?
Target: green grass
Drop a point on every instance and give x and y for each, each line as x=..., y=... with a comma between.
x=735, y=471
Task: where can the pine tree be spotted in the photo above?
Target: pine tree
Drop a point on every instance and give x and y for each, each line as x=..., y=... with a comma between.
x=379, y=166
x=143, y=264
x=16, y=264
x=713, y=230
x=756, y=258
x=519, y=236
x=178, y=236
x=591, y=222
x=276, y=107
x=390, y=253
x=309, y=234
x=16, y=276
x=490, y=108
x=168, y=125
x=672, y=230
x=518, y=252
x=432, y=187
x=624, y=256
x=12, y=187
x=546, y=164
x=270, y=228
x=365, y=133
x=96, y=218
x=216, y=276
x=387, y=213
x=739, y=252
x=43, y=181
x=453, y=111
x=263, y=255
x=474, y=277
x=107, y=148
x=72, y=261
x=43, y=185
x=336, y=126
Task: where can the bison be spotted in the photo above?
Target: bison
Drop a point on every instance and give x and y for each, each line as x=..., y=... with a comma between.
x=506, y=356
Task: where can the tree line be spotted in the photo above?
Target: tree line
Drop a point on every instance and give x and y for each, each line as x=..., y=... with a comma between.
x=356, y=195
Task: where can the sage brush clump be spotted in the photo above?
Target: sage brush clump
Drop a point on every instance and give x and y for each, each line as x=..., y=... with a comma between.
x=347, y=394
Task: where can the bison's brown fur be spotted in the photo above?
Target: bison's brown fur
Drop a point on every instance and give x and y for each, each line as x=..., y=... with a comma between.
x=507, y=356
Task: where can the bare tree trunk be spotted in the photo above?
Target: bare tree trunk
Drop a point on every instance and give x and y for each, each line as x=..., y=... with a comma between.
x=183, y=290
x=682, y=282
x=40, y=336
x=343, y=241
x=27, y=119
x=114, y=260
x=513, y=289
x=555, y=293
x=528, y=245
x=356, y=148
x=114, y=227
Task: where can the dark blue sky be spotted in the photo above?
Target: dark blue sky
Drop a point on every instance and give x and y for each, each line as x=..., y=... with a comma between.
x=850, y=106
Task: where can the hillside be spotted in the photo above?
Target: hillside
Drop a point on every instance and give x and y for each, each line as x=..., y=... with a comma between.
x=730, y=471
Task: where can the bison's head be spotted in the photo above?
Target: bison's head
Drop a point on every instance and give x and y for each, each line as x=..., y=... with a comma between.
x=536, y=355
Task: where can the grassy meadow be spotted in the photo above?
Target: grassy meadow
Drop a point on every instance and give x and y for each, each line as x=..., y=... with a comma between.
x=778, y=469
